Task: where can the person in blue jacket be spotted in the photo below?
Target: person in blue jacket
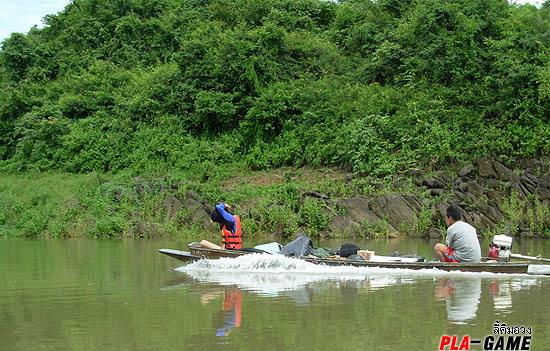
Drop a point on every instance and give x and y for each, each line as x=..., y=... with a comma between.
x=230, y=225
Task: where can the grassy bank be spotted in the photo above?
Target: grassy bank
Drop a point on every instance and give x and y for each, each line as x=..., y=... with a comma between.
x=123, y=205
x=271, y=203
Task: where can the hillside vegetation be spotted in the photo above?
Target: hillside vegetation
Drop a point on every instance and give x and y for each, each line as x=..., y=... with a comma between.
x=376, y=87
x=201, y=92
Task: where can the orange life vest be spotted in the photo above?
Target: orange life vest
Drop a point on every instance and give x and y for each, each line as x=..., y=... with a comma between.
x=230, y=240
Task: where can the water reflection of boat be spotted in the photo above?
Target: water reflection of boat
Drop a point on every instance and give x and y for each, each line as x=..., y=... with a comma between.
x=501, y=291
x=461, y=296
x=226, y=284
x=197, y=253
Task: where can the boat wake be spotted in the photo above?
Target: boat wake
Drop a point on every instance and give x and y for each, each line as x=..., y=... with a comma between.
x=273, y=275
x=278, y=264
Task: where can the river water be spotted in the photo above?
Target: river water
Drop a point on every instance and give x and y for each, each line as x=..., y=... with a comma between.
x=85, y=294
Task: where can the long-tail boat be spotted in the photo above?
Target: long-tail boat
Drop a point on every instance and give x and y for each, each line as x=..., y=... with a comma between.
x=197, y=253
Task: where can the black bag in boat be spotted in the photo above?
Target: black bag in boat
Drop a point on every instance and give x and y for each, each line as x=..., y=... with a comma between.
x=348, y=249
x=301, y=246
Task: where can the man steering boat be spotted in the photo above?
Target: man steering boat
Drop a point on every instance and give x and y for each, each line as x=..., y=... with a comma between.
x=462, y=242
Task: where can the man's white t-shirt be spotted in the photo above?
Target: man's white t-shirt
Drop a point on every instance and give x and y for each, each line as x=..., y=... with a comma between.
x=462, y=238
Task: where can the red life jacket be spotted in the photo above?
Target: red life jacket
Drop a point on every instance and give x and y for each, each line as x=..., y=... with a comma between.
x=230, y=240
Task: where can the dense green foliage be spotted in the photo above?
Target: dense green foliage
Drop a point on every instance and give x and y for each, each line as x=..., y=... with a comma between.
x=373, y=86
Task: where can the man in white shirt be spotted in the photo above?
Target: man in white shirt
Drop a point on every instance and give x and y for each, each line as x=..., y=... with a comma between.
x=462, y=243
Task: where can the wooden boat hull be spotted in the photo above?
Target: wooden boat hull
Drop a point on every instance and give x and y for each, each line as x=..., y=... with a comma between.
x=197, y=253
x=180, y=255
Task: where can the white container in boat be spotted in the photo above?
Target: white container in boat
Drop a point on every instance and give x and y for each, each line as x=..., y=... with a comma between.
x=502, y=241
x=366, y=254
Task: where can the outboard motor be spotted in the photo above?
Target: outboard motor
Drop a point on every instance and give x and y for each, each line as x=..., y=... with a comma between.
x=501, y=248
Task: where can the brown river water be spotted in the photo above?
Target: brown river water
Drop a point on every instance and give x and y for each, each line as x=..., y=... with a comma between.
x=85, y=294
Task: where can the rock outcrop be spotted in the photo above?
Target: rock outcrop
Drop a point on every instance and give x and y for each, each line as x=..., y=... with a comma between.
x=483, y=191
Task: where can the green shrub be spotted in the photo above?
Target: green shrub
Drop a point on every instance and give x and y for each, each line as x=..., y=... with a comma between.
x=512, y=211
x=538, y=218
x=314, y=215
x=39, y=133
